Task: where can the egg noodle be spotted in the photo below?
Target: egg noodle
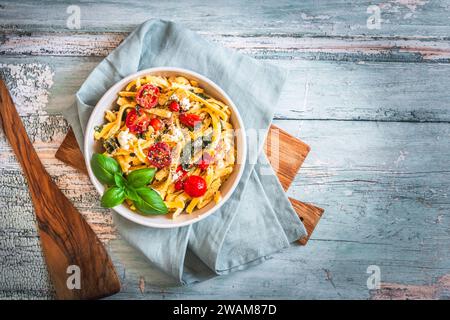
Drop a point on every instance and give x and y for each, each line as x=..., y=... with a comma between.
x=171, y=124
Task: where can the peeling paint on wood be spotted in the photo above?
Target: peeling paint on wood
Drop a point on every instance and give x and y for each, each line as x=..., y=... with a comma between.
x=280, y=47
x=396, y=291
x=330, y=18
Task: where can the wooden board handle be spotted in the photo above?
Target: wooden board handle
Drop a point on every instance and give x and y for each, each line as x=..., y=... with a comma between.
x=70, y=246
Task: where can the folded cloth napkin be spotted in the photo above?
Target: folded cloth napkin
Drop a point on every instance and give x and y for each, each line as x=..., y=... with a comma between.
x=258, y=219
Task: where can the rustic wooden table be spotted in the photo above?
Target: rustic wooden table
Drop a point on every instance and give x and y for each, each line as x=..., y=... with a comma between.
x=371, y=96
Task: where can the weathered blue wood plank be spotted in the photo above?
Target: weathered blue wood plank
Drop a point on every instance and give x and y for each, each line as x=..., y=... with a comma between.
x=413, y=18
x=262, y=46
x=315, y=90
x=386, y=201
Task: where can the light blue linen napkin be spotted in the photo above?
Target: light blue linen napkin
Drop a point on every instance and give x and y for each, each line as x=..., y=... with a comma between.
x=258, y=219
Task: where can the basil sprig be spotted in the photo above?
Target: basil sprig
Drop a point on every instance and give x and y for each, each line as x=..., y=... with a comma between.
x=133, y=187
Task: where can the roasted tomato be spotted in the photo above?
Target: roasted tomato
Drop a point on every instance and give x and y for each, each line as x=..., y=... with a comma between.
x=195, y=186
x=147, y=96
x=156, y=124
x=174, y=106
x=137, y=122
x=181, y=177
x=159, y=155
x=190, y=120
x=203, y=163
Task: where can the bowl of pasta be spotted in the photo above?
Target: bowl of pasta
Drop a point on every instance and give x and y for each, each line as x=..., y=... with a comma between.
x=165, y=147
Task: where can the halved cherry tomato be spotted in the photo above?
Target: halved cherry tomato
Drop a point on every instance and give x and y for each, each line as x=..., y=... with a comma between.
x=195, y=186
x=159, y=155
x=190, y=119
x=156, y=124
x=174, y=106
x=179, y=184
x=203, y=163
x=147, y=96
x=137, y=122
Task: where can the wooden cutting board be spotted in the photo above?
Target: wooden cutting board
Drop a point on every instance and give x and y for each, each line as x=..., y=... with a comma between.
x=286, y=163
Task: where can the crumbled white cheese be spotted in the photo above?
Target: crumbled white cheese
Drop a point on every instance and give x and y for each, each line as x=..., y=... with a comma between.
x=227, y=145
x=177, y=133
x=174, y=97
x=174, y=135
x=176, y=175
x=185, y=104
x=125, y=138
x=220, y=164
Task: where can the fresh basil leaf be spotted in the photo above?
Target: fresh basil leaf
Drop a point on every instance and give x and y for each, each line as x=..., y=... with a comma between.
x=150, y=202
x=130, y=193
x=104, y=168
x=141, y=177
x=120, y=180
x=113, y=197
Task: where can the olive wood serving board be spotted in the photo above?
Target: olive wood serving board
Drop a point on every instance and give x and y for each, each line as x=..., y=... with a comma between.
x=70, y=246
x=286, y=164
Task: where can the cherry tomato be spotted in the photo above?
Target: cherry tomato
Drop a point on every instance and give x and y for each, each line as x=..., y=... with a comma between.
x=137, y=123
x=203, y=164
x=159, y=155
x=180, y=181
x=179, y=184
x=180, y=169
x=147, y=96
x=195, y=186
x=156, y=124
x=190, y=119
x=174, y=106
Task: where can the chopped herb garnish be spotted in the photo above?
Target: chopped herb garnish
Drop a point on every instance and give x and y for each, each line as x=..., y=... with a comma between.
x=98, y=128
x=186, y=166
x=202, y=95
x=207, y=140
x=138, y=109
x=111, y=144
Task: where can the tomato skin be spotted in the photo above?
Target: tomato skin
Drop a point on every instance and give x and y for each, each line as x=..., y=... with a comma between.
x=195, y=186
x=156, y=124
x=190, y=119
x=179, y=184
x=147, y=96
x=180, y=181
x=137, y=123
x=203, y=163
x=174, y=106
x=159, y=155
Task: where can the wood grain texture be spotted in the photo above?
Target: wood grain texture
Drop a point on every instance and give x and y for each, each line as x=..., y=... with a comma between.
x=260, y=46
x=310, y=216
x=67, y=239
x=285, y=153
x=401, y=19
x=315, y=90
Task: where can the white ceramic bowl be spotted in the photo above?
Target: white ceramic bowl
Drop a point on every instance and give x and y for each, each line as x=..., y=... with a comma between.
x=160, y=221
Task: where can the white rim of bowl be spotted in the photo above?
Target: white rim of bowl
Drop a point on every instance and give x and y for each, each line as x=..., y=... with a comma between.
x=134, y=216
